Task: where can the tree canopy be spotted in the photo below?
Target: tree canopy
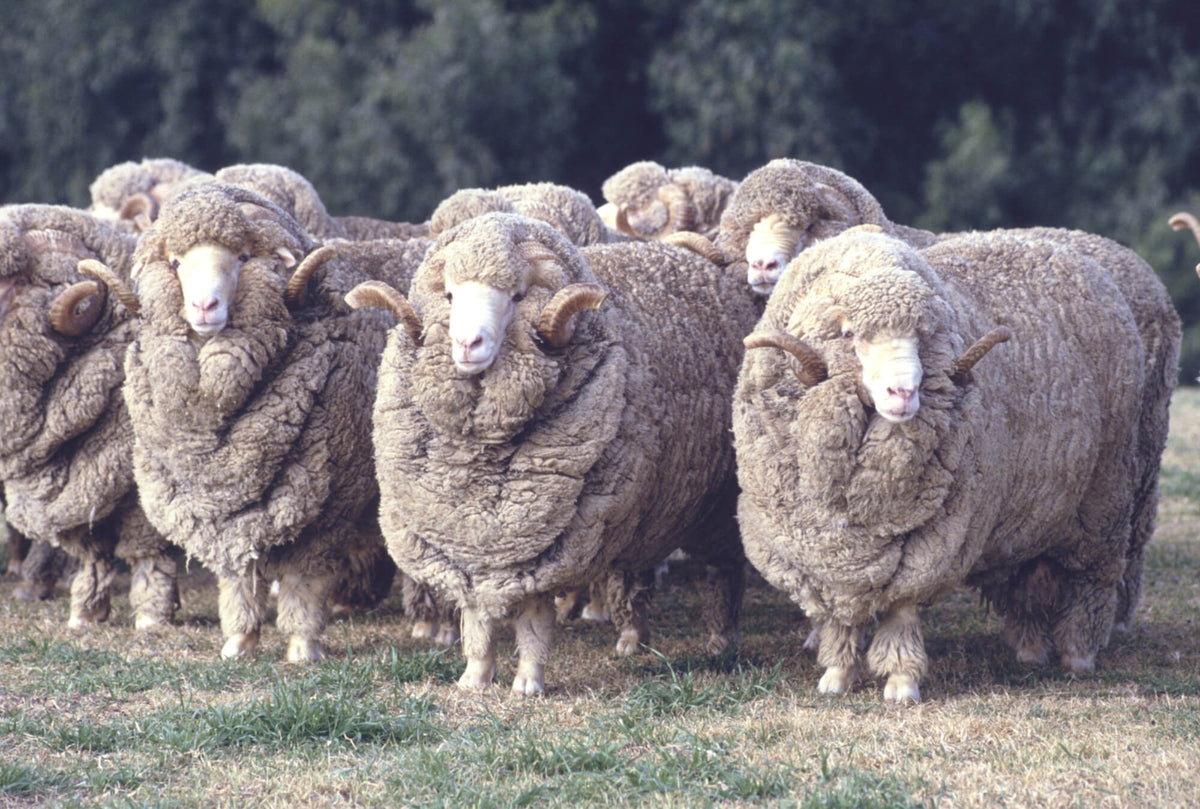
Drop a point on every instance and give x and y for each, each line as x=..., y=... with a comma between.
x=1002, y=113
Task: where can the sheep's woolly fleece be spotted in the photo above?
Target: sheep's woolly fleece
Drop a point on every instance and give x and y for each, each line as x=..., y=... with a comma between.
x=635, y=189
x=255, y=438
x=553, y=464
x=819, y=201
x=851, y=514
x=568, y=210
x=154, y=177
x=64, y=449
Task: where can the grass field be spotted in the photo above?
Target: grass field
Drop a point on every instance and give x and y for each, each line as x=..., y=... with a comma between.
x=118, y=718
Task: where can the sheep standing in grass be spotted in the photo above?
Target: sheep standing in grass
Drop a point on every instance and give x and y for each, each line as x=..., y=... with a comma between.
x=66, y=445
x=788, y=205
x=880, y=467
x=525, y=444
x=250, y=388
x=648, y=201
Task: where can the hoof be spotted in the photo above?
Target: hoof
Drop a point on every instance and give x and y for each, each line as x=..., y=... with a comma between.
x=591, y=612
x=901, y=688
x=1033, y=656
x=32, y=592
x=1079, y=664
x=305, y=650
x=477, y=677
x=240, y=646
x=424, y=630
x=837, y=680
x=628, y=643
x=149, y=622
x=447, y=635
x=721, y=644
x=530, y=680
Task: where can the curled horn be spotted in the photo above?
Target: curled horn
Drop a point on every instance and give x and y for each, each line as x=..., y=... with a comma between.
x=78, y=307
x=964, y=364
x=297, y=287
x=623, y=225
x=137, y=206
x=380, y=294
x=240, y=194
x=102, y=273
x=698, y=243
x=681, y=211
x=1183, y=220
x=809, y=366
x=554, y=323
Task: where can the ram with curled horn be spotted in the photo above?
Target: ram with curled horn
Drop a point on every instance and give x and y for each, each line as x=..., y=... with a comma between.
x=564, y=421
x=66, y=449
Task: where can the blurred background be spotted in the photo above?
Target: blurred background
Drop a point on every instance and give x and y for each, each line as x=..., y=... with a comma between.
x=956, y=115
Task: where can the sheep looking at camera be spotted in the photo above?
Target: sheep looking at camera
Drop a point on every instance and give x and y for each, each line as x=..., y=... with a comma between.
x=65, y=450
x=786, y=206
x=646, y=200
x=526, y=444
x=880, y=467
x=249, y=387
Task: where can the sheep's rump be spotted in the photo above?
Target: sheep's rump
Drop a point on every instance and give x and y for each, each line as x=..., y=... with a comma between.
x=552, y=465
x=850, y=513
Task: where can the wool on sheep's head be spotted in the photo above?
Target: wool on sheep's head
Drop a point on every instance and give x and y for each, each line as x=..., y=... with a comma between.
x=481, y=293
x=786, y=206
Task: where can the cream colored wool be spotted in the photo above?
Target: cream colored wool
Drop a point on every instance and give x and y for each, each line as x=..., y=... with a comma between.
x=155, y=178
x=568, y=210
x=293, y=192
x=1024, y=479
x=253, y=444
x=555, y=466
x=635, y=189
x=819, y=201
x=65, y=450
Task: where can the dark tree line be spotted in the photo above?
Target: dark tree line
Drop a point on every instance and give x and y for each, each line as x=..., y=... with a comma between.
x=1079, y=113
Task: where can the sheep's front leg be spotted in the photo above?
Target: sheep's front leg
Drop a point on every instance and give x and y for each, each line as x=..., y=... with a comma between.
x=628, y=596
x=837, y=651
x=241, y=604
x=91, y=591
x=479, y=648
x=303, y=604
x=433, y=617
x=1086, y=623
x=534, y=629
x=725, y=586
x=41, y=568
x=898, y=651
x=153, y=591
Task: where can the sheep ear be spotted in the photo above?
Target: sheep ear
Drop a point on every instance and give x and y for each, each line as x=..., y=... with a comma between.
x=289, y=258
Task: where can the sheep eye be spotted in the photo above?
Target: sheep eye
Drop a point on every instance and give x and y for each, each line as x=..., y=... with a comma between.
x=244, y=257
x=174, y=263
x=847, y=334
x=518, y=297
x=450, y=297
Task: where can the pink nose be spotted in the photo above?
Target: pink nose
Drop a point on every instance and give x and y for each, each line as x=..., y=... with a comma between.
x=903, y=394
x=206, y=305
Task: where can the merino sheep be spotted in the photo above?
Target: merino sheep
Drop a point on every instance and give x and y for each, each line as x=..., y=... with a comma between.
x=129, y=194
x=568, y=210
x=786, y=206
x=524, y=446
x=292, y=192
x=250, y=395
x=648, y=201
x=65, y=450
x=879, y=470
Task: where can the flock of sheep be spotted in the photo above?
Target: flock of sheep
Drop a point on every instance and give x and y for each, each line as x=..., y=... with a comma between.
x=527, y=400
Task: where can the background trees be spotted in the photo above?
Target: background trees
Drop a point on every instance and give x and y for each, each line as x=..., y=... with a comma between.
x=1080, y=113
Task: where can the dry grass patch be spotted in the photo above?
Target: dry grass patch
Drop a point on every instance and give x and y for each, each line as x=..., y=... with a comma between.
x=114, y=717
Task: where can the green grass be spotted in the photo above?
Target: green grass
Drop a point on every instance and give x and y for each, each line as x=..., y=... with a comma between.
x=116, y=718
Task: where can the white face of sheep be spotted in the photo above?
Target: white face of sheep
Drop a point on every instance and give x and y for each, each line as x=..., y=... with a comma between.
x=891, y=373
x=772, y=244
x=208, y=274
x=479, y=318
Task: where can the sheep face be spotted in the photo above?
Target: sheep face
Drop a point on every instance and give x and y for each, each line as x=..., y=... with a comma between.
x=479, y=318
x=208, y=276
x=772, y=244
x=891, y=374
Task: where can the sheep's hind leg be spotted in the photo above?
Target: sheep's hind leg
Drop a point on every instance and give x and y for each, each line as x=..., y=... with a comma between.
x=837, y=651
x=479, y=648
x=242, y=605
x=534, y=630
x=41, y=568
x=724, y=589
x=898, y=651
x=302, y=608
x=154, y=590
x=433, y=617
x=628, y=595
x=1085, y=624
